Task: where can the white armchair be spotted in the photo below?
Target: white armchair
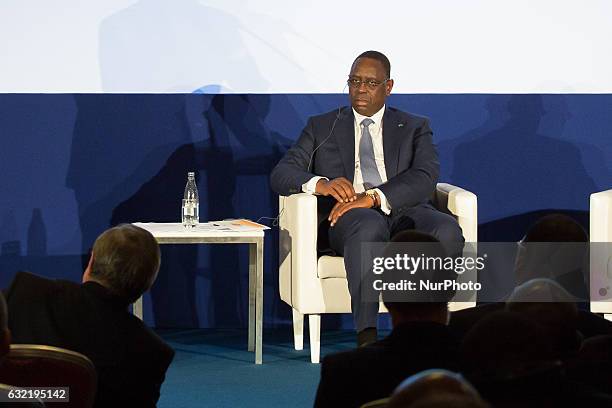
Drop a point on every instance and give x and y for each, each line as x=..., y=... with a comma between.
x=313, y=286
x=600, y=225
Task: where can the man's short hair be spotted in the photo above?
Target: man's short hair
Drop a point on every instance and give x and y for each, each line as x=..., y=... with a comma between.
x=126, y=260
x=503, y=344
x=556, y=228
x=422, y=301
x=547, y=251
x=378, y=56
x=547, y=303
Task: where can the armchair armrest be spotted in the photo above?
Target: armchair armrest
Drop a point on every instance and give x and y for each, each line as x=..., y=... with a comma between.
x=600, y=224
x=600, y=262
x=462, y=204
x=298, y=247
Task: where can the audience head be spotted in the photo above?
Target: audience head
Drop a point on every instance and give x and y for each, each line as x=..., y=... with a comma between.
x=547, y=303
x=436, y=388
x=512, y=362
x=5, y=334
x=555, y=247
x=417, y=305
x=125, y=259
x=556, y=228
x=544, y=300
x=504, y=345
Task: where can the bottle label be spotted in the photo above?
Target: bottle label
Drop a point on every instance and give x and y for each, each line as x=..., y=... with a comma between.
x=189, y=209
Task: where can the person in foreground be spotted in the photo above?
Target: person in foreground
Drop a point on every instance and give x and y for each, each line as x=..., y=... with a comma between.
x=550, y=229
x=5, y=348
x=436, y=388
x=514, y=361
x=420, y=340
x=374, y=169
x=93, y=318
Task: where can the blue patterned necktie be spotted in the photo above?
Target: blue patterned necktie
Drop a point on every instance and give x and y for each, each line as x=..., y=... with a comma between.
x=369, y=171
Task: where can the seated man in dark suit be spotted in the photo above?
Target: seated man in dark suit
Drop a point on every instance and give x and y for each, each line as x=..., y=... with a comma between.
x=93, y=318
x=420, y=340
x=374, y=169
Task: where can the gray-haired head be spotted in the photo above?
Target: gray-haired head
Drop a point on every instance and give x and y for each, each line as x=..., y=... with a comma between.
x=125, y=260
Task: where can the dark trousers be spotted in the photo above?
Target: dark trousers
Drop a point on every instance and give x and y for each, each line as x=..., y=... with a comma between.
x=369, y=225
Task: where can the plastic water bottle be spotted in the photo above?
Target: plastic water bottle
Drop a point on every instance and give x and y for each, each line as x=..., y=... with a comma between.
x=191, y=203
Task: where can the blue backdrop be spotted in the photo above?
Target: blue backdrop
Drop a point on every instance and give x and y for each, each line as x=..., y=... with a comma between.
x=73, y=164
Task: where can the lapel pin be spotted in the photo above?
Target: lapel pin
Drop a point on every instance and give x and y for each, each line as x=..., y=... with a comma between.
x=400, y=125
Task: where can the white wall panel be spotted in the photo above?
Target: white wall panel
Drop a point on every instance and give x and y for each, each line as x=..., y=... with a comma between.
x=274, y=46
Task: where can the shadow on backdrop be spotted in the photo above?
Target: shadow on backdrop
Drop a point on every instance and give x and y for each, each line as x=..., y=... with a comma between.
x=122, y=145
x=208, y=285
x=516, y=166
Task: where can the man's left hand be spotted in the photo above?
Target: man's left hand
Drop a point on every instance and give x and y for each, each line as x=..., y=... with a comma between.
x=362, y=201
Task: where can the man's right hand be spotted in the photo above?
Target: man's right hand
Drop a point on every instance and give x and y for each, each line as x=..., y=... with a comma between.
x=339, y=188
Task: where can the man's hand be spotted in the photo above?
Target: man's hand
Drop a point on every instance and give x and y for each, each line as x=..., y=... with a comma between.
x=362, y=201
x=339, y=188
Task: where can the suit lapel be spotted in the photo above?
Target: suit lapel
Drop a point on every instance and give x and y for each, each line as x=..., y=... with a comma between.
x=392, y=138
x=345, y=137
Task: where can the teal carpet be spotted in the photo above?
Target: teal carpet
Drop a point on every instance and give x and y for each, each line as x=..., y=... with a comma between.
x=212, y=368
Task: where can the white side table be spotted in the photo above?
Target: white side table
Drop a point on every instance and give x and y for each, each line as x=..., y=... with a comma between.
x=175, y=233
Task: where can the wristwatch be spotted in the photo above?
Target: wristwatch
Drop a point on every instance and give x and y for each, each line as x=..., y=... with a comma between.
x=374, y=196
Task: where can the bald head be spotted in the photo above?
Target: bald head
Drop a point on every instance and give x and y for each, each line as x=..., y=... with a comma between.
x=544, y=301
x=548, y=304
x=540, y=290
x=436, y=388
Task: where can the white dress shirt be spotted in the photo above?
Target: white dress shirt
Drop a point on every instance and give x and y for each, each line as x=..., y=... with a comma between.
x=376, y=131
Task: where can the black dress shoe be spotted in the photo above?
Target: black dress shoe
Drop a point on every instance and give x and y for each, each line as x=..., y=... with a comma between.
x=367, y=336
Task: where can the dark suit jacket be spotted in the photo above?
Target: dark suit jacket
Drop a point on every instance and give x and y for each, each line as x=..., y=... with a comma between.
x=131, y=360
x=411, y=160
x=352, y=378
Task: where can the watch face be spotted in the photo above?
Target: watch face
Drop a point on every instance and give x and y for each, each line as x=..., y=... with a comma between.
x=372, y=195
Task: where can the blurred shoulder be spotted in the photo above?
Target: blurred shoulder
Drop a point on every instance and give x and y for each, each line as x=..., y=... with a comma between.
x=27, y=281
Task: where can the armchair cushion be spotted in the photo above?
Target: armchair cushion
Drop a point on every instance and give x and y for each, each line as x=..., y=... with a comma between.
x=331, y=267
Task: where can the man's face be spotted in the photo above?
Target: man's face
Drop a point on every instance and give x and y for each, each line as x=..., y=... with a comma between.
x=365, y=99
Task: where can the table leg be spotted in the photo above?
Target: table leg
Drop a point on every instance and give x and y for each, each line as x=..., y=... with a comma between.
x=252, y=284
x=256, y=301
x=137, y=308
